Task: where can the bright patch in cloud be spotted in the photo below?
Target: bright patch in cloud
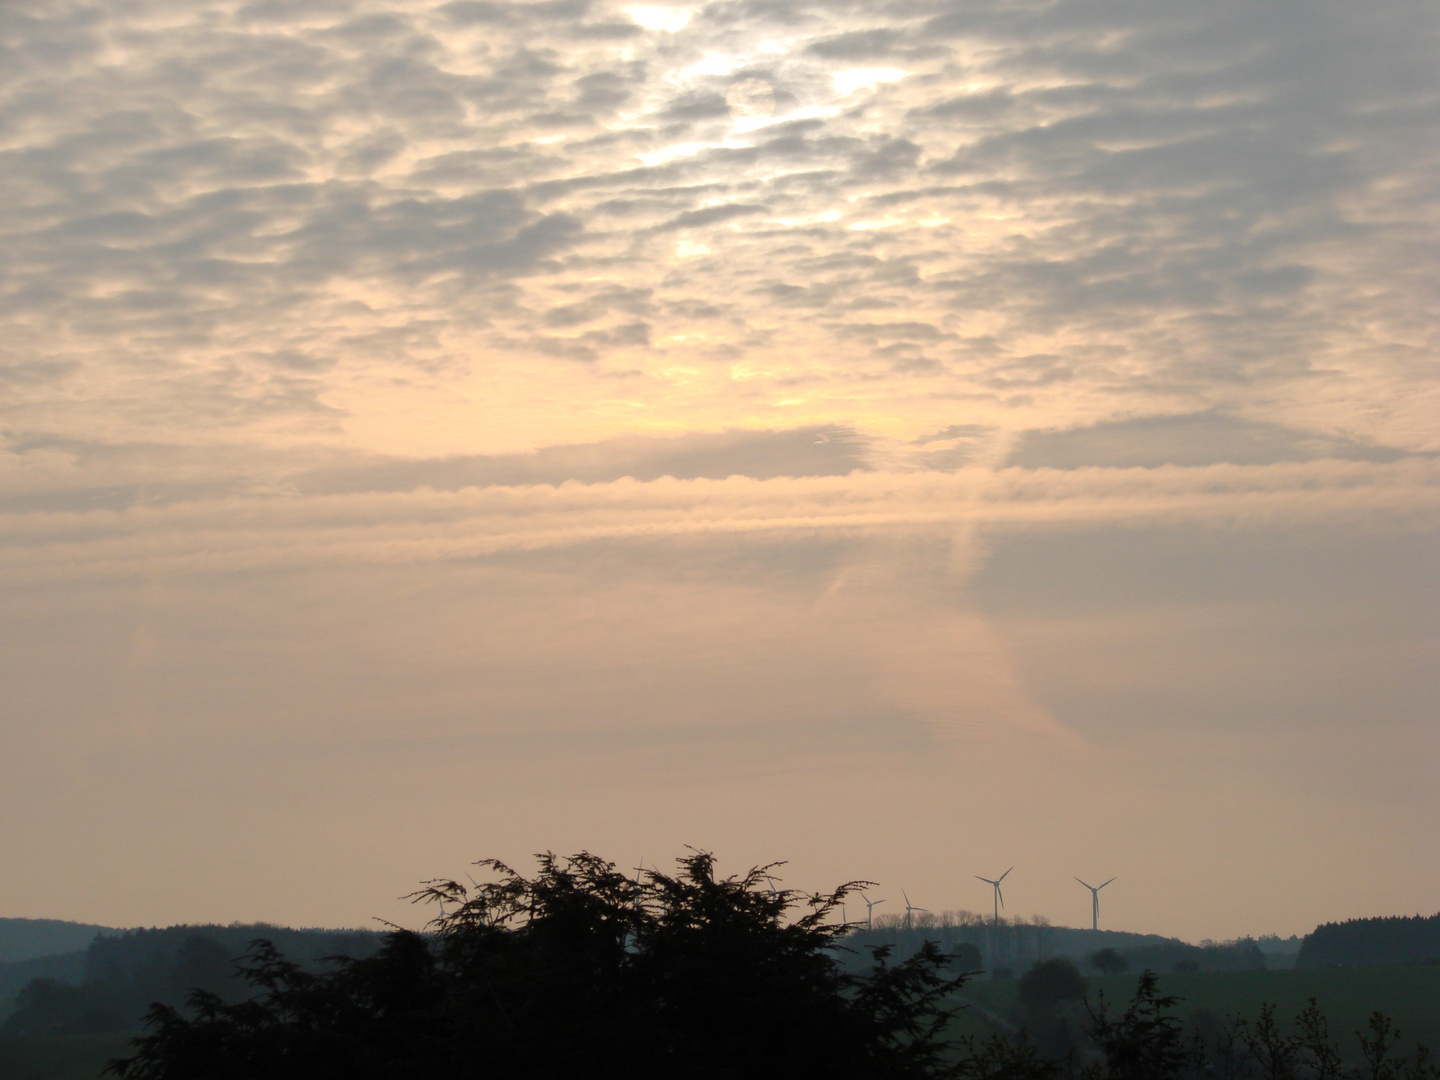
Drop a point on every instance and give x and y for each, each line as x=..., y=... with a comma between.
x=669, y=19
x=847, y=82
x=671, y=153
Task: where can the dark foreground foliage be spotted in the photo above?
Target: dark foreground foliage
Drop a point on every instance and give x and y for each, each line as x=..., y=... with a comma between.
x=580, y=971
x=1146, y=1040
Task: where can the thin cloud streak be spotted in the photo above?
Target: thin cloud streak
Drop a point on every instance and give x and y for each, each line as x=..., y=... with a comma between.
x=427, y=525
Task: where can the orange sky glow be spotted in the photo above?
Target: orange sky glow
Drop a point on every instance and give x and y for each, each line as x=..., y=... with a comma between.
x=900, y=441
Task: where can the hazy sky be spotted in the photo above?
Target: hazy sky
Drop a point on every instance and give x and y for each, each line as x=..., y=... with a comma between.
x=906, y=439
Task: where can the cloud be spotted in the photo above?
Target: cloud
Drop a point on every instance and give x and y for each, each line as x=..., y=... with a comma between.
x=1195, y=191
x=1190, y=440
x=763, y=455
x=229, y=534
x=454, y=386
x=291, y=223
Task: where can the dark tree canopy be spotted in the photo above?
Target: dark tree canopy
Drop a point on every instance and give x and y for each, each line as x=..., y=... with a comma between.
x=966, y=956
x=1050, y=982
x=1109, y=962
x=579, y=971
x=1393, y=940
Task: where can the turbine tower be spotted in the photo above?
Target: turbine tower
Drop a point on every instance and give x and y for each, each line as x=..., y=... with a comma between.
x=999, y=896
x=870, y=906
x=909, y=907
x=1094, y=903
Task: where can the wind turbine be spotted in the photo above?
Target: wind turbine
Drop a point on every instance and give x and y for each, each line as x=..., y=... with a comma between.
x=639, y=884
x=870, y=906
x=1094, y=903
x=909, y=907
x=999, y=896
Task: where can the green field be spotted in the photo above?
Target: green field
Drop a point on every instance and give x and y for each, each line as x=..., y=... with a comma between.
x=1409, y=995
x=59, y=1057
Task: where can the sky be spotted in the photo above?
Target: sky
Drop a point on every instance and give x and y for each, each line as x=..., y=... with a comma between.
x=901, y=439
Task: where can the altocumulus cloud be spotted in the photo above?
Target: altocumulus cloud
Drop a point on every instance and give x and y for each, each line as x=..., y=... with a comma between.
x=252, y=208
x=415, y=383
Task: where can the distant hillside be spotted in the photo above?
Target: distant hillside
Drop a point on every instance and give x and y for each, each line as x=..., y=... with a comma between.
x=66, y=967
x=1016, y=946
x=26, y=939
x=109, y=985
x=1280, y=953
x=1366, y=942
x=128, y=954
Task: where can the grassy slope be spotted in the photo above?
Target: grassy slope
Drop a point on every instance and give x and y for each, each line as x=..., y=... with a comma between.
x=1347, y=996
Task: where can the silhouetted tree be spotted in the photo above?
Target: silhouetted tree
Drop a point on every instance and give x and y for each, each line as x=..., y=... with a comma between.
x=1109, y=962
x=1274, y=1053
x=579, y=971
x=1318, y=1055
x=1309, y=1053
x=51, y=1007
x=1044, y=992
x=1376, y=1046
x=1050, y=982
x=1003, y=1057
x=1146, y=1041
x=582, y=971
x=966, y=957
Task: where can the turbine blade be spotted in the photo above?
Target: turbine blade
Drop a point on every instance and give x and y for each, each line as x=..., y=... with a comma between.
x=1098, y=888
x=1004, y=875
x=1087, y=884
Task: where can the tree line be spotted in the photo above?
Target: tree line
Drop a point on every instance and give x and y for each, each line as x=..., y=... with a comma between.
x=1392, y=940
x=1016, y=943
